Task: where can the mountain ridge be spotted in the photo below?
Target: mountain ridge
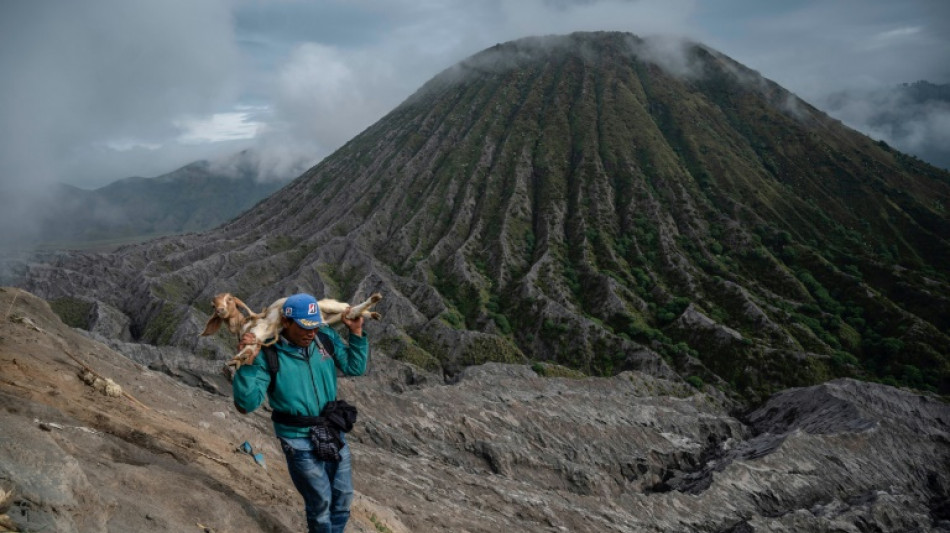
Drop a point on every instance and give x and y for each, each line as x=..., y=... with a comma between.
x=195, y=197
x=580, y=203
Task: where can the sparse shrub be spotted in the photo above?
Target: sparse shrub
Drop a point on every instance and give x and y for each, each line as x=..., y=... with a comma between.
x=72, y=311
x=695, y=381
x=891, y=347
x=890, y=380
x=819, y=292
x=489, y=349
x=856, y=322
x=549, y=327
x=841, y=358
x=550, y=370
x=502, y=322
x=412, y=353
x=378, y=524
x=161, y=327
x=853, y=270
x=671, y=310
x=644, y=333
x=912, y=376
x=572, y=279
x=453, y=318
x=680, y=349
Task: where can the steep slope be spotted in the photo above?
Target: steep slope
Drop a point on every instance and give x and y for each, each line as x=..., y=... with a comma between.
x=155, y=455
x=501, y=450
x=596, y=200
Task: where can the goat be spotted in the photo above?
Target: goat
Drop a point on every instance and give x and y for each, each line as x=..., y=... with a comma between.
x=331, y=310
x=225, y=311
x=266, y=325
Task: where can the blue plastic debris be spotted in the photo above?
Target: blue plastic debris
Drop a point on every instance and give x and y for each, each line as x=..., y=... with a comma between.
x=258, y=457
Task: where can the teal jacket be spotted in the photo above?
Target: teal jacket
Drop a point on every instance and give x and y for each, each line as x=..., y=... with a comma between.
x=305, y=381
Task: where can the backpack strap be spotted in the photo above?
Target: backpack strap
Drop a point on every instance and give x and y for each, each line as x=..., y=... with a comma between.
x=327, y=343
x=273, y=365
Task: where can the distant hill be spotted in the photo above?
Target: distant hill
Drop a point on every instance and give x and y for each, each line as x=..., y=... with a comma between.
x=591, y=200
x=196, y=197
x=914, y=117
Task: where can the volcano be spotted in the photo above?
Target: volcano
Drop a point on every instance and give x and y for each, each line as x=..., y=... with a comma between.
x=591, y=203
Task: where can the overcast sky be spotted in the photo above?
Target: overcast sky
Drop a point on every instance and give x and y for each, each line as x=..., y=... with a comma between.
x=97, y=90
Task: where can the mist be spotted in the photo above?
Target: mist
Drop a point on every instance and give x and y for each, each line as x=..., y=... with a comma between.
x=913, y=118
x=107, y=89
x=79, y=76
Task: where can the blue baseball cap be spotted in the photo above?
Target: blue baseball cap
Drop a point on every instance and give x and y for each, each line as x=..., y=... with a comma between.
x=304, y=310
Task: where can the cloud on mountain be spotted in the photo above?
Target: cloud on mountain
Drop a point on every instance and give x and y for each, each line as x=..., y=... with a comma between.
x=78, y=76
x=914, y=118
x=105, y=89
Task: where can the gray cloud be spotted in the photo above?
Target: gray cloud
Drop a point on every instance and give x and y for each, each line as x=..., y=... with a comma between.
x=812, y=48
x=97, y=90
x=79, y=75
x=913, y=118
x=816, y=48
x=324, y=93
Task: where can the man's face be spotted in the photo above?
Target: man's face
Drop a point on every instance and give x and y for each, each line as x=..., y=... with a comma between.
x=298, y=335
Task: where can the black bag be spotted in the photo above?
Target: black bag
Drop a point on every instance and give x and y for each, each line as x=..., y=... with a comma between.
x=340, y=415
x=325, y=429
x=326, y=442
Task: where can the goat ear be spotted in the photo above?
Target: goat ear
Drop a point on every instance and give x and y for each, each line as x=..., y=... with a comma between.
x=214, y=323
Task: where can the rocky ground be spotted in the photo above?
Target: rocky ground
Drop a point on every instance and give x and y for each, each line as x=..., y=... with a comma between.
x=159, y=456
x=501, y=449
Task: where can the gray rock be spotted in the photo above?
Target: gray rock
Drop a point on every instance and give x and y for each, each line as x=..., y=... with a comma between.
x=108, y=322
x=500, y=449
x=506, y=449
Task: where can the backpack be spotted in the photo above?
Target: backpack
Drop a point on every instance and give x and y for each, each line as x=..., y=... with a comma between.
x=273, y=361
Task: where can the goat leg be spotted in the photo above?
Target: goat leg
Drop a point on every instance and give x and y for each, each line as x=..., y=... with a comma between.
x=358, y=310
x=245, y=357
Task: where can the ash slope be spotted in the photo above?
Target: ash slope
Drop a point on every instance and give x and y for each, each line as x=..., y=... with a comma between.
x=595, y=200
x=501, y=450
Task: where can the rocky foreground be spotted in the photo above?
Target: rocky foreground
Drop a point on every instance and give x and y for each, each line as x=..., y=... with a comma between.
x=501, y=449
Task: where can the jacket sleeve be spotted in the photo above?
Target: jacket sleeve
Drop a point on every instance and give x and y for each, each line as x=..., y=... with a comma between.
x=351, y=357
x=250, y=384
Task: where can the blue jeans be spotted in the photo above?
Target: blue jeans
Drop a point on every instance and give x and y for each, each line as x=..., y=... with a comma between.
x=326, y=486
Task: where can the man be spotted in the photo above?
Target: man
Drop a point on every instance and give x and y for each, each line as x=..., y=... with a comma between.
x=303, y=385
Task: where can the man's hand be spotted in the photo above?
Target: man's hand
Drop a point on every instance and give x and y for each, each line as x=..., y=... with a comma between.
x=355, y=324
x=248, y=339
